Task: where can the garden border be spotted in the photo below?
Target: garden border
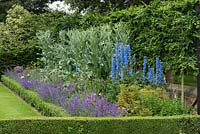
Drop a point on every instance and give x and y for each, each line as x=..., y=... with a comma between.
x=33, y=99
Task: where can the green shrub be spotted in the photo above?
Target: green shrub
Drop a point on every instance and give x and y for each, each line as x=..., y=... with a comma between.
x=132, y=125
x=33, y=99
x=149, y=101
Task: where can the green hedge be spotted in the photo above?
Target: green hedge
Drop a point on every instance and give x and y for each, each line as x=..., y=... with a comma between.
x=33, y=99
x=123, y=125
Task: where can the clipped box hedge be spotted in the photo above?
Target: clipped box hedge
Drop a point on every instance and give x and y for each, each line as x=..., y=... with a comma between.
x=46, y=109
x=109, y=125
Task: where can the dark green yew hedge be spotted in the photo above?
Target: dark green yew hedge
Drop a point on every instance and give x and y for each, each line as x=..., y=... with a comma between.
x=33, y=99
x=109, y=125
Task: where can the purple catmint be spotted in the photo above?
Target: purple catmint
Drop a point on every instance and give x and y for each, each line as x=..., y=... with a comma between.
x=28, y=84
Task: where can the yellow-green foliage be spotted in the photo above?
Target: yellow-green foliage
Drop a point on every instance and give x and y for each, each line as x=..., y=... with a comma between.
x=128, y=96
x=148, y=90
x=132, y=97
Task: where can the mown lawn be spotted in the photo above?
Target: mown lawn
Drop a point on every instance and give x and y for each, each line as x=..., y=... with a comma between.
x=11, y=106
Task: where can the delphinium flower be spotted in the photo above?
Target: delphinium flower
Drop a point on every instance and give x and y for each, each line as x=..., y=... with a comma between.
x=144, y=68
x=113, y=72
x=126, y=57
x=122, y=54
x=159, y=72
x=128, y=48
x=150, y=75
x=161, y=76
x=157, y=69
x=117, y=59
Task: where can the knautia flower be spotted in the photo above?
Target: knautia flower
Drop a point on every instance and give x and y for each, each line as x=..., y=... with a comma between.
x=144, y=68
x=18, y=69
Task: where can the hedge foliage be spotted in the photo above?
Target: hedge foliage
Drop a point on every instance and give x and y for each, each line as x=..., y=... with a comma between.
x=74, y=125
x=33, y=99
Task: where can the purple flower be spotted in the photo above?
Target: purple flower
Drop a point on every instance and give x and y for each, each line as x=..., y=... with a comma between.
x=28, y=84
x=18, y=69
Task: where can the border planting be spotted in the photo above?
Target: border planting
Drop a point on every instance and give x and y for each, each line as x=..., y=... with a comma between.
x=33, y=99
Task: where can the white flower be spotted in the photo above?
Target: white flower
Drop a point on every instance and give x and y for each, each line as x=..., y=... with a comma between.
x=22, y=77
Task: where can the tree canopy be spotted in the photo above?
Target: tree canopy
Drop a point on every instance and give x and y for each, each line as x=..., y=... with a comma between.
x=102, y=5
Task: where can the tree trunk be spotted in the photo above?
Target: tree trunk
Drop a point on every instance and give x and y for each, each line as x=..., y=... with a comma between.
x=182, y=87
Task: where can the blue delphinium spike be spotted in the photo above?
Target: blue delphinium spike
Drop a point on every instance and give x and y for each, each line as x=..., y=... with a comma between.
x=125, y=56
x=157, y=70
x=113, y=68
x=117, y=59
x=129, y=50
x=150, y=75
x=161, y=74
x=144, y=68
x=122, y=54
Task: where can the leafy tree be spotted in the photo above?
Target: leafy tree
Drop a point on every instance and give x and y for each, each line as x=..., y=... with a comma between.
x=36, y=6
x=102, y=5
x=5, y=5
